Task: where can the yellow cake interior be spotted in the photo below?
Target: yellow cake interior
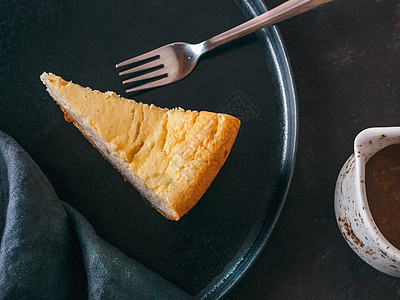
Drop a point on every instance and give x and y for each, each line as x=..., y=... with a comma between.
x=170, y=151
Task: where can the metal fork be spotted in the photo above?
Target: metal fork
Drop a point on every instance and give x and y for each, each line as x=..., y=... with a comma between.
x=174, y=61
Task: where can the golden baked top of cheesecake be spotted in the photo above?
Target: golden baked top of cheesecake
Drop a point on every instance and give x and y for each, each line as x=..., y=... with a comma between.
x=174, y=152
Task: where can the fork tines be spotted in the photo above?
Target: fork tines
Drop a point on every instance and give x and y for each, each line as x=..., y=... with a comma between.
x=151, y=67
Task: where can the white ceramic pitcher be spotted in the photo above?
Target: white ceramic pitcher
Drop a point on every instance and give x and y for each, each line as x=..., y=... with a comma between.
x=351, y=206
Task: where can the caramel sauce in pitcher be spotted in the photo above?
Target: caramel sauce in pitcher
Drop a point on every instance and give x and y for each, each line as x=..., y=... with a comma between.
x=382, y=179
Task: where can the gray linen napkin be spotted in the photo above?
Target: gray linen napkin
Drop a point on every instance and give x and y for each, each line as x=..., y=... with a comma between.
x=49, y=251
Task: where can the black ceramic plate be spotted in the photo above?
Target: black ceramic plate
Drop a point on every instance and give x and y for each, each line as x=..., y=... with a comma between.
x=211, y=247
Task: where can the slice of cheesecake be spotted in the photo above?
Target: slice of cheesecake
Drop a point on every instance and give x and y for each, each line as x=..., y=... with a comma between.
x=171, y=156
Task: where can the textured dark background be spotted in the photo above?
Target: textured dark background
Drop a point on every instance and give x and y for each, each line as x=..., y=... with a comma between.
x=346, y=61
x=345, y=58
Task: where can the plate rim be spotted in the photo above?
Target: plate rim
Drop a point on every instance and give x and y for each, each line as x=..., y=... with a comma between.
x=248, y=254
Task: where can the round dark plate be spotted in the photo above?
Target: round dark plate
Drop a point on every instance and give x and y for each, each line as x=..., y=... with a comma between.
x=214, y=244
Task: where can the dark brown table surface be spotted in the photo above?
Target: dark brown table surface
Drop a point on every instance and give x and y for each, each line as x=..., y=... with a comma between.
x=345, y=58
x=346, y=62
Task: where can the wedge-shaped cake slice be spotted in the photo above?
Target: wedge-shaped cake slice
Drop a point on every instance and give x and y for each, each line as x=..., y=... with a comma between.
x=170, y=156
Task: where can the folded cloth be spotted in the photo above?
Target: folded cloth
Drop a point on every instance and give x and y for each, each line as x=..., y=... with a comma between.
x=49, y=251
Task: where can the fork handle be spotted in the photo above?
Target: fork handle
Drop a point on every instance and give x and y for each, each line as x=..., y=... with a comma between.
x=284, y=11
